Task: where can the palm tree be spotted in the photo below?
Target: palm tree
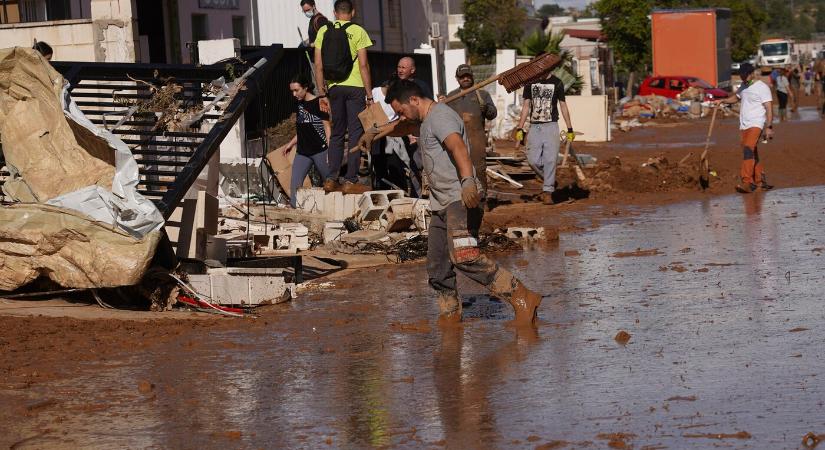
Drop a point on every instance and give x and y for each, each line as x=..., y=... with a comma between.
x=551, y=43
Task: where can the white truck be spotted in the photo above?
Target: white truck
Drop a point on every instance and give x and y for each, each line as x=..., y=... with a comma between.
x=776, y=53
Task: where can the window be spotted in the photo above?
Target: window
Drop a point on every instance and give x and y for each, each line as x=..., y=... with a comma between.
x=657, y=83
x=9, y=11
x=778, y=49
x=394, y=13
x=239, y=28
x=200, y=27
x=58, y=10
x=676, y=85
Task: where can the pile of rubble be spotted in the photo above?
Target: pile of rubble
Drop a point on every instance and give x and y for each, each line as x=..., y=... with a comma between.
x=339, y=221
x=636, y=111
x=658, y=174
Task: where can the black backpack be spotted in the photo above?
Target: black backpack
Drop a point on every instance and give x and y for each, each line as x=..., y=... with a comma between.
x=335, y=53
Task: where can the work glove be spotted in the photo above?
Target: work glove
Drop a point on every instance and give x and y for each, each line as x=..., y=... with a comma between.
x=519, y=134
x=365, y=142
x=469, y=193
x=571, y=136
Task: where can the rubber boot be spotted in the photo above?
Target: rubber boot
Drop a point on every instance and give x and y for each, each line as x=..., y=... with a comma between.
x=525, y=302
x=449, y=307
x=331, y=185
x=354, y=188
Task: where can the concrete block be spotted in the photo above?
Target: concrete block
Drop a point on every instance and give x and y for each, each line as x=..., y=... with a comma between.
x=400, y=215
x=530, y=234
x=333, y=231
x=244, y=286
x=311, y=200
x=373, y=204
x=291, y=237
x=350, y=205
x=333, y=205
x=422, y=214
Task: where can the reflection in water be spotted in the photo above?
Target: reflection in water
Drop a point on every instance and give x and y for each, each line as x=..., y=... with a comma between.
x=725, y=320
x=466, y=387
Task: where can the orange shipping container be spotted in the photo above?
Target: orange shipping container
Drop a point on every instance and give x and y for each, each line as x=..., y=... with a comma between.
x=694, y=42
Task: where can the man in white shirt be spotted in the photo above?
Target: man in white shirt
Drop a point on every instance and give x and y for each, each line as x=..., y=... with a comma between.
x=755, y=117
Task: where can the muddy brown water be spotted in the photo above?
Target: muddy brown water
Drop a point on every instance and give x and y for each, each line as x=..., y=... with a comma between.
x=725, y=353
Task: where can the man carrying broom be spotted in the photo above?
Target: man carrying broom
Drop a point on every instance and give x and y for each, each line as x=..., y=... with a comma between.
x=542, y=102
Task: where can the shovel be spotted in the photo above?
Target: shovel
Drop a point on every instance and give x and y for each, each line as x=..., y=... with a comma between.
x=704, y=169
x=576, y=163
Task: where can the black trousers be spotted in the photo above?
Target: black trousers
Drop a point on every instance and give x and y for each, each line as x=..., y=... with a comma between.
x=346, y=102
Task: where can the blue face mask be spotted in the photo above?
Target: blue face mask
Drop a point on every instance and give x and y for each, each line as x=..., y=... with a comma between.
x=309, y=14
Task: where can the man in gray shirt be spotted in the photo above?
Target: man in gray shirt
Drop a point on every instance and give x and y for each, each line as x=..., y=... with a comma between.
x=452, y=244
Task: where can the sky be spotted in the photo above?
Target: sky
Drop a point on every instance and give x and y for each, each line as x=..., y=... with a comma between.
x=564, y=3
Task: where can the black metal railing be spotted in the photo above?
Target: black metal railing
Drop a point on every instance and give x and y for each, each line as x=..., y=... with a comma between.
x=169, y=160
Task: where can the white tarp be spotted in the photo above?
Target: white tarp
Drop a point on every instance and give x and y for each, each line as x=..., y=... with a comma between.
x=64, y=159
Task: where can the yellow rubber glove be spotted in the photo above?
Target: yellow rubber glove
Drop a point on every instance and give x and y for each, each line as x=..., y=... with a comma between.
x=518, y=135
x=571, y=136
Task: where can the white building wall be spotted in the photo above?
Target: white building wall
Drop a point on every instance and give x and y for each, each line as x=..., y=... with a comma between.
x=277, y=22
x=219, y=20
x=110, y=35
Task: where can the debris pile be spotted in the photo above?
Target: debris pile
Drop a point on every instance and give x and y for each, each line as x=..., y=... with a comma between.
x=636, y=112
x=656, y=175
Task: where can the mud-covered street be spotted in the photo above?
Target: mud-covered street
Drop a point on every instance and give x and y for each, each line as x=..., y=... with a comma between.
x=368, y=224
x=720, y=299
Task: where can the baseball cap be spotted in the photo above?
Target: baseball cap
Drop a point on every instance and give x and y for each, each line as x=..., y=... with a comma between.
x=463, y=69
x=745, y=69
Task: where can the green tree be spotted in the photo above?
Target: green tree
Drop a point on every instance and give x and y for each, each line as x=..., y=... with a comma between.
x=551, y=43
x=745, y=25
x=489, y=25
x=626, y=24
x=550, y=10
x=820, y=18
x=780, y=19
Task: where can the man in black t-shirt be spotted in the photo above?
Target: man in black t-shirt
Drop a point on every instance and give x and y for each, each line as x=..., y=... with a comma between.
x=316, y=21
x=542, y=102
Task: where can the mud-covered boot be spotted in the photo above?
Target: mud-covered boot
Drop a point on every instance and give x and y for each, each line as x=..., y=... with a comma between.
x=449, y=308
x=331, y=185
x=525, y=302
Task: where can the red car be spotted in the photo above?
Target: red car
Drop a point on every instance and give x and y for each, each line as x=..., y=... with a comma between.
x=671, y=87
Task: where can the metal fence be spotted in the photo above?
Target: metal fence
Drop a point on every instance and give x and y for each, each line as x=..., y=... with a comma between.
x=482, y=72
